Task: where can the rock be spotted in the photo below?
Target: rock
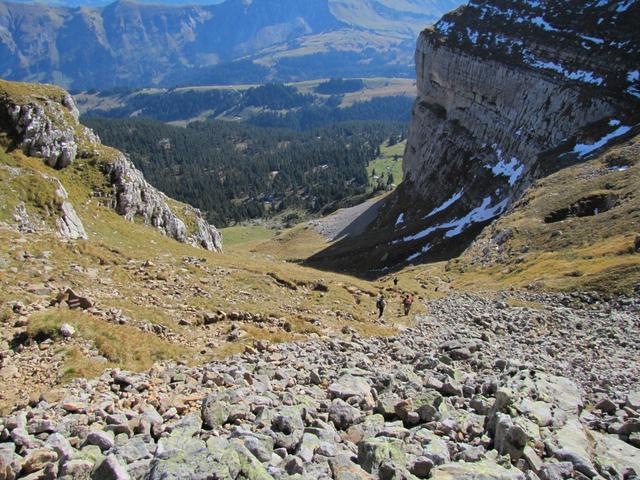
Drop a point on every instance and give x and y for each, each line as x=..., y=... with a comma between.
x=287, y=428
x=110, y=469
x=509, y=439
x=134, y=197
x=373, y=452
x=485, y=470
x=67, y=331
x=76, y=301
x=103, y=440
x=633, y=400
x=607, y=406
x=614, y=455
x=342, y=414
x=556, y=471
x=349, y=386
x=573, y=441
x=215, y=413
x=294, y=465
x=342, y=468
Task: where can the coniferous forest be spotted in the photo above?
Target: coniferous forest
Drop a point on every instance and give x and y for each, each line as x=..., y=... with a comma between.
x=235, y=171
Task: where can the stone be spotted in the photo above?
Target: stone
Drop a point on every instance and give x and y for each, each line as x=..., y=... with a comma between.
x=349, y=386
x=342, y=414
x=215, y=413
x=373, y=452
x=110, y=469
x=67, y=331
x=103, y=440
x=485, y=470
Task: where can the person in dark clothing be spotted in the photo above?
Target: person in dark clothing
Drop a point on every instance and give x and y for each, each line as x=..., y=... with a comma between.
x=395, y=281
x=380, y=304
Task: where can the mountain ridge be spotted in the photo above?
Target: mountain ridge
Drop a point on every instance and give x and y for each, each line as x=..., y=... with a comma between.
x=132, y=44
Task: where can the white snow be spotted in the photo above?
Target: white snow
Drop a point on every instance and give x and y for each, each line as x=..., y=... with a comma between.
x=633, y=91
x=480, y=214
x=599, y=41
x=444, y=27
x=614, y=123
x=473, y=36
x=400, y=219
x=633, y=75
x=581, y=75
x=424, y=249
x=513, y=169
x=456, y=226
x=541, y=22
x=625, y=5
x=583, y=149
x=446, y=204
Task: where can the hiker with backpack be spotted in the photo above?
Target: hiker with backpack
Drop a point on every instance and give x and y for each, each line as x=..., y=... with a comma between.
x=407, y=301
x=380, y=304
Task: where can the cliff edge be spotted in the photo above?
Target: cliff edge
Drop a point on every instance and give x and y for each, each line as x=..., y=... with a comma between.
x=506, y=95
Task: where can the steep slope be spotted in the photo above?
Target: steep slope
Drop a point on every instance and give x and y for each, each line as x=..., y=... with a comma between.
x=505, y=96
x=578, y=228
x=42, y=121
x=133, y=44
x=93, y=236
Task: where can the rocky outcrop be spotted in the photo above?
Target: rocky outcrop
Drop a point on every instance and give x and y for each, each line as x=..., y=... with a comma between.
x=41, y=129
x=68, y=223
x=43, y=122
x=134, y=197
x=505, y=96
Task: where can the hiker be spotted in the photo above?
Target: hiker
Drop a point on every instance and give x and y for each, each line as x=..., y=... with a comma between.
x=380, y=304
x=395, y=281
x=406, y=303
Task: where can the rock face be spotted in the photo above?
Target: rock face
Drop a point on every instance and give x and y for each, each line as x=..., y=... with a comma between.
x=43, y=122
x=133, y=196
x=505, y=96
x=41, y=129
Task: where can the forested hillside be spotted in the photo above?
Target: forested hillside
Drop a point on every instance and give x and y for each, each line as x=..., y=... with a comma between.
x=270, y=105
x=234, y=171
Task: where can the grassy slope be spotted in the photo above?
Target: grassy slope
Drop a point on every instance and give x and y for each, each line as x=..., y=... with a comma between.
x=591, y=252
x=386, y=163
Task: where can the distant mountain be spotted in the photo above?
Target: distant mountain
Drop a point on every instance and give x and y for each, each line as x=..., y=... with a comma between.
x=135, y=44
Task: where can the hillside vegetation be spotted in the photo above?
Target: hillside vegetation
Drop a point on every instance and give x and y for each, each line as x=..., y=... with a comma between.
x=234, y=172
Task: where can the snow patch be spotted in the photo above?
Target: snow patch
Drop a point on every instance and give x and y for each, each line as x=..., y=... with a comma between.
x=456, y=226
x=599, y=41
x=581, y=75
x=541, y=22
x=633, y=75
x=444, y=27
x=400, y=219
x=480, y=214
x=625, y=5
x=513, y=169
x=424, y=249
x=583, y=149
x=473, y=36
x=446, y=204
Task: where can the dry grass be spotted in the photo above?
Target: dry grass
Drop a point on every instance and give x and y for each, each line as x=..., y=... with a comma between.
x=123, y=346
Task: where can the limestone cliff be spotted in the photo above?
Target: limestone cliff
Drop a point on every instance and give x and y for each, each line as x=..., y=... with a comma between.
x=507, y=93
x=42, y=121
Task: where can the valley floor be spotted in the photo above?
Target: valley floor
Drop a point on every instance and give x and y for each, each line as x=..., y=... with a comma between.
x=509, y=385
